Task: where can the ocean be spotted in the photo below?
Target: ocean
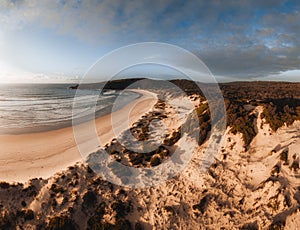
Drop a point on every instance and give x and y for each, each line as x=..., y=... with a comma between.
x=31, y=108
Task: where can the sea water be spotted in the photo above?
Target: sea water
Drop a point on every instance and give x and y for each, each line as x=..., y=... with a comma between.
x=30, y=108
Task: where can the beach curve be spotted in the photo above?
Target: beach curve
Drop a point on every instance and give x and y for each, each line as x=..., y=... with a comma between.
x=43, y=154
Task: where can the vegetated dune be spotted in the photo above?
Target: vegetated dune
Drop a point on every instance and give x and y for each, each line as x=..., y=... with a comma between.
x=253, y=182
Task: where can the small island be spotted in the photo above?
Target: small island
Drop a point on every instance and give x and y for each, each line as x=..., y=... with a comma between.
x=74, y=86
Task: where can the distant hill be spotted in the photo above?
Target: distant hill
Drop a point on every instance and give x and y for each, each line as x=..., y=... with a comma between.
x=252, y=90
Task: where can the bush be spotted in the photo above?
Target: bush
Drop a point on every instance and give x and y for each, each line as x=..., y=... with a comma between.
x=95, y=223
x=89, y=199
x=122, y=225
x=203, y=204
x=284, y=155
x=175, y=136
x=30, y=190
x=56, y=188
x=241, y=122
x=199, y=123
x=120, y=208
x=281, y=111
x=277, y=225
x=136, y=158
x=155, y=160
x=4, y=185
x=295, y=165
x=23, y=203
x=138, y=226
x=6, y=221
x=162, y=151
x=29, y=215
x=250, y=226
x=61, y=223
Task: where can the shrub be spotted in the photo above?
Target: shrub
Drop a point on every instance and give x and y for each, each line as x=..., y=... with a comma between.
x=295, y=165
x=175, y=136
x=4, y=185
x=29, y=215
x=120, y=208
x=284, y=155
x=95, y=223
x=23, y=203
x=250, y=226
x=89, y=170
x=162, y=151
x=6, y=221
x=100, y=210
x=240, y=121
x=138, y=226
x=155, y=160
x=278, y=112
x=61, y=223
x=199, y=123
x=89, y=199
x=56, y=188
x=277, y=225
x=137, y=158
x=122, y=224
x=53, y=203
x=203, y=204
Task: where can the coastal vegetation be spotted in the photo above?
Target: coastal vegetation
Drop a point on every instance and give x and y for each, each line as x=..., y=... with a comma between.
x=280, y=112
x=232, y=195
x=241, y=121
x=281, y=102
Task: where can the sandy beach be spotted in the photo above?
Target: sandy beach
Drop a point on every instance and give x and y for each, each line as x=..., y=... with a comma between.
x=43, y=154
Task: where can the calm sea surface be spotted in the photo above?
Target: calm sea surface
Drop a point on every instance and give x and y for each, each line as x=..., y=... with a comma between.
x=35, y=108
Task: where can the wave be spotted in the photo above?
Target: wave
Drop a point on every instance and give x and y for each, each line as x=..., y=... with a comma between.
x=50, y=107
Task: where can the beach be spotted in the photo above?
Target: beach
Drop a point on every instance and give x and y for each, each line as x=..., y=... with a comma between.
x=184, y=183
x=36, y=155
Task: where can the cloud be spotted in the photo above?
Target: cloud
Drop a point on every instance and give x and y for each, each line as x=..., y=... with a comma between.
x=234, y=38
x=290, y=75
x=252, y=62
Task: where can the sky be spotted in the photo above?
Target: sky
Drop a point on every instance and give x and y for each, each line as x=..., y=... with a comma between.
x=58, y=41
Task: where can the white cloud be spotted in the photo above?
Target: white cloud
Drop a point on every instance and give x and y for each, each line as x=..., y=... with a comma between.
x=230, y=47
x=290, y=75
x=12, y=74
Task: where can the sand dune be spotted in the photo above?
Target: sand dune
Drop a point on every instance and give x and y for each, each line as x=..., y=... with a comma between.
x=244, y=188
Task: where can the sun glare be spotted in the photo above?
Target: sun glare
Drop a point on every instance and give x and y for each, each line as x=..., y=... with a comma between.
x=11, y=74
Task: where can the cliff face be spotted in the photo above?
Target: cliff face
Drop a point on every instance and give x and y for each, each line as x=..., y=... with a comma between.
x=245, y=188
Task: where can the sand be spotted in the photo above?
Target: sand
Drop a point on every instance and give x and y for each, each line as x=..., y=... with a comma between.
x=238, y=190
x=36, y=155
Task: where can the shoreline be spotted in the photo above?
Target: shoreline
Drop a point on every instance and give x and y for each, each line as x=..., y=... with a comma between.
x=35, y=155
x=59, y=125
